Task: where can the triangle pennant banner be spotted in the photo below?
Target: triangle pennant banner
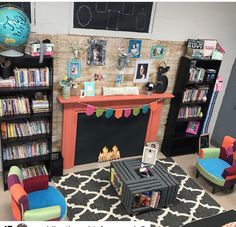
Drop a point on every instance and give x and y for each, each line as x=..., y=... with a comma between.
x=118, y=114
x=90, y=110
x=153, y=106
x=99, y=112
x=136, y=111
x=127, y=112
x=145, y=109
x=109, y=113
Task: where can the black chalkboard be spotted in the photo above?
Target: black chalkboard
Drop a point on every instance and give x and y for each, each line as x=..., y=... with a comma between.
x=117, y=16
x=25, y=6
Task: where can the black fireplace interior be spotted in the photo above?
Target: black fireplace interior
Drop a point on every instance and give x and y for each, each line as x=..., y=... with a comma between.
x=94, y=133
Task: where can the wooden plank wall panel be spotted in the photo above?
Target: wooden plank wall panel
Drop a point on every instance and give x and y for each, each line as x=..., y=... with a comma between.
x=63, y=52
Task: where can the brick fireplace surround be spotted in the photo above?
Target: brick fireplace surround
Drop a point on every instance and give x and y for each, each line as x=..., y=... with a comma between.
x=75, y=105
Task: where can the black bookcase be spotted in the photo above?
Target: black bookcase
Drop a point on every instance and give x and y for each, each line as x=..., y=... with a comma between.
x=176, y=140
x=28, y=61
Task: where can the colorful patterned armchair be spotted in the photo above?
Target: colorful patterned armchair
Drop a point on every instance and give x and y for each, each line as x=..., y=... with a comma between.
x=218, y=165
x=34, y=201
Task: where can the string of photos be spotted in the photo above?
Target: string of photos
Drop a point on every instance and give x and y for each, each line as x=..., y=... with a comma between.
x=118, y=113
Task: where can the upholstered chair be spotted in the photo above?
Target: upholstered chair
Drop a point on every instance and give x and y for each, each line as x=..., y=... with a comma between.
x=218, y=165
x=34, y=199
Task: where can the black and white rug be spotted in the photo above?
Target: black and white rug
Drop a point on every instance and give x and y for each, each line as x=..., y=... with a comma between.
x=90, y=197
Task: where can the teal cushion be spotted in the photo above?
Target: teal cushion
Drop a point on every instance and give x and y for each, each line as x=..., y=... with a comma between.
x=45, y=198
x=214, y=166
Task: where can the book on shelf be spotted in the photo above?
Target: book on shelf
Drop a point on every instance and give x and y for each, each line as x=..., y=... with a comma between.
x=190, y=112
x=196, y=75
x=10, y=82
x=195, y=94
x=147, y=199
x=25, y=77
x=14, y=105
x=116, y=181
x=33, y=171
x=12, y=130
x=25, y=151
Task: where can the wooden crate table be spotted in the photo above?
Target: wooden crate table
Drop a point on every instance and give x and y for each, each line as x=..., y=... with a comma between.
x=161, y=187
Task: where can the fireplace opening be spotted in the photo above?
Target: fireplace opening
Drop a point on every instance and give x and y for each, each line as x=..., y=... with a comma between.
x=101, y=139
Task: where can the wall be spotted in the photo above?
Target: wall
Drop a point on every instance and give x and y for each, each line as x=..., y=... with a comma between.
x=173, y=21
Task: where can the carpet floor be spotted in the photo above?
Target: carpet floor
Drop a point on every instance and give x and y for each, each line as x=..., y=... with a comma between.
x=90, y=197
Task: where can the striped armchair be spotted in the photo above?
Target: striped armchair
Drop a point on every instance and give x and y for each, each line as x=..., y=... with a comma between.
x=218, y=165
x=37, y=201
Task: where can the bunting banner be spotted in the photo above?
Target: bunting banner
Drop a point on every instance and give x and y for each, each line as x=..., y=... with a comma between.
x=145, y=109
x=136, y=111
x=119, y=113
x=127, y=112
x=109, y=113
x=90, y=110
x=99, y=112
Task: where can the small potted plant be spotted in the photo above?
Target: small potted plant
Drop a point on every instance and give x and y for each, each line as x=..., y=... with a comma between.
x=66, y=85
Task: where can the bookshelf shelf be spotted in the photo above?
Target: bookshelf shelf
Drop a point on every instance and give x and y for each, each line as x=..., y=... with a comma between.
x=25, y=139
x=194, y=85
x=27, y=69
x=12, y=90
x=9, y=163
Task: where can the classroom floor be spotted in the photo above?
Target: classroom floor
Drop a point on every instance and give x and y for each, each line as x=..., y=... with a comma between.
x=227, y=199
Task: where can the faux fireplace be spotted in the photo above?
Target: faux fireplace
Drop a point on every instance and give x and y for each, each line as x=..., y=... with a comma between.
x=75, y=107
x=104, y=139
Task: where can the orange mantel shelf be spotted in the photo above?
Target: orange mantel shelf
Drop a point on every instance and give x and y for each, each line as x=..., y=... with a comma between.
x=74, y=105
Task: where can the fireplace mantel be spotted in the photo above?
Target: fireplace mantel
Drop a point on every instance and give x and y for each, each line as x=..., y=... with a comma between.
x=74, y=105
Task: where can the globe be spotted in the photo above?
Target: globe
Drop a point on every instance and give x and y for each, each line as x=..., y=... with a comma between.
x=14, y=27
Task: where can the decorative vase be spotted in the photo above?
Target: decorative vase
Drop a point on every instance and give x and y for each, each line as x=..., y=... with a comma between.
x=66, y=92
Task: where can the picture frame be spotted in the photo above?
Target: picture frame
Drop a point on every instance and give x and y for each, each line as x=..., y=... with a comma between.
x=193, y=127
x=157, y=52
x=149, y=155
x=204, y=141
x=119, y=79
x=96, y=52
x=89, y=88
x=74, y=69
x=135, y=48
x=141, y=74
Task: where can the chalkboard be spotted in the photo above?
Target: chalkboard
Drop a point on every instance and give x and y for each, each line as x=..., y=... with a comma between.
x=25, y=6
x=116, y=16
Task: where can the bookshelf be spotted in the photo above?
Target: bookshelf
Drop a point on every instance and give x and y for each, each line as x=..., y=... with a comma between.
x=193, y=90
x=26, y=126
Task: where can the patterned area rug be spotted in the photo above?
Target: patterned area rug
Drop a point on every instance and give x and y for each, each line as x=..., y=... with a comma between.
x=90, y=197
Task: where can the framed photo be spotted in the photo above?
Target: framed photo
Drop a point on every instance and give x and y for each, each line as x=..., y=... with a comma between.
x=193, y=127
x=149, y=155
x=204, y=141
x=135, y=48
x=96, y=52
x=119, y=79
x=141, y=71
x=74, y=68
x=153, y=145
x=89, y=88
x=157, y=51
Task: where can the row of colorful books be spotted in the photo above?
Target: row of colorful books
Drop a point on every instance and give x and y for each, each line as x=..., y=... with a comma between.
x=195, y=94
x=196, y=75
x=39, y=106
x=14, y=105
x=147, y=199
x=33, y=171
x=25, y=151
x=189, y=112
x=116, y=181
x=11, y=130
x=31, y=77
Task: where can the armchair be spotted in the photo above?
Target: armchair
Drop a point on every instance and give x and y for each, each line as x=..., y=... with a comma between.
x=218, y=165
x=34, y=201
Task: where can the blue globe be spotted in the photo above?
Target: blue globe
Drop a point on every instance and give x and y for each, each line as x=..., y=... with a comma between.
x=14, y=27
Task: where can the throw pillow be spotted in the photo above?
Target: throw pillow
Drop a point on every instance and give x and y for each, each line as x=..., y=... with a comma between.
x=229, y=154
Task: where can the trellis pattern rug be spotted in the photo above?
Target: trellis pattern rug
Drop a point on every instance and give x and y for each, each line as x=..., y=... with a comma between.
x=90, y=197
